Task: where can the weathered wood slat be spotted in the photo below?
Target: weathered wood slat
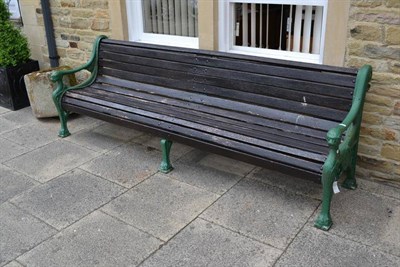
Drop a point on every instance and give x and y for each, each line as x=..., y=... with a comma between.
x=119, y=117
x=243, y=128
x=274, y=127
x=206, y=81
x=194, y=131
x=330, y=89
x=222, y=61
x=258, y=111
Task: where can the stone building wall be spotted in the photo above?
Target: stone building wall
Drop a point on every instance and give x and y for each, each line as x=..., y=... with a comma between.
x=76, y=24
x=374, y=38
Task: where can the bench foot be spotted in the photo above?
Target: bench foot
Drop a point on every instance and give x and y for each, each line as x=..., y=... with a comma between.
x=165, y=166
x=323, y=222
x=324, y=219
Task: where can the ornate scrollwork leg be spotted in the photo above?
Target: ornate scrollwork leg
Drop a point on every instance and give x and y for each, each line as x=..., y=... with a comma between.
x=165, y=166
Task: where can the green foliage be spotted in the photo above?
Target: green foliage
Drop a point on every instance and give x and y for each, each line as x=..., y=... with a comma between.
x=4, y=14
x=14, y=49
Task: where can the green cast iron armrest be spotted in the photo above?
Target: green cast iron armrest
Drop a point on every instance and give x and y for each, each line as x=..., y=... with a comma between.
x=57, y=77
x=361, y=87
x=91, y=66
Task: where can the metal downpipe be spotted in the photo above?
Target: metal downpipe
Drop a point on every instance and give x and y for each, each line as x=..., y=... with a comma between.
x=48, y=25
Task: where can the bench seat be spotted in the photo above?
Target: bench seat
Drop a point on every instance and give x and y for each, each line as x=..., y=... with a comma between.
x=271, y=113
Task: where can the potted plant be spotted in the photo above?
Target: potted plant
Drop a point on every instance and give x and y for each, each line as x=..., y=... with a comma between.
x=14, y=63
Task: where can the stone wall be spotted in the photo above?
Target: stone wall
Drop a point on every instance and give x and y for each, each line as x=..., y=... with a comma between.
x=76, y=24
x=374, y=38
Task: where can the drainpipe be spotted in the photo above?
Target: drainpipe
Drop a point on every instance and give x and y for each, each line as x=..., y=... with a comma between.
x=48, y=25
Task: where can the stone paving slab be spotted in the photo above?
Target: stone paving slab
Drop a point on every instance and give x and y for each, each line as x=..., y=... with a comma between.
x=104, y=137
x=13, y=183
x=3, y=110
x=288, y=182
x=76, y=123
x=31, y=136
x=217, y=162
x=6, y=125
x=19, y=232
x=265, y=213
x=379, y=189
x=208, y=171
x=205, y=244
x=367, y=218
x=126, y=165
x=177, y=151
x=160, y=206
x=66, y=199
x=21, y=117
x=10, y=150
x=313, y=247
x=96, y=240
x=13, y=264
x=52, y=160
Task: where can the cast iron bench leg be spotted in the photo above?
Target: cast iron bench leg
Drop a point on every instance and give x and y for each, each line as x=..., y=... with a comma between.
x=64, y=132
x=165, y=166
x=324, y=220
x=350, y=182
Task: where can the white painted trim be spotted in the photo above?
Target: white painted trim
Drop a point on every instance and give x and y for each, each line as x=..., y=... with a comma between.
x=137, y=34
x=227, y=31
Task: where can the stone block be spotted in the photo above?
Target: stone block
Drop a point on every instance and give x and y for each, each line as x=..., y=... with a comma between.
x=80, y=23
x=379, y=100
x=75, y=53
x=40, y=89
x=367, y=32
x=367, y=3
x=392, y=3
x=100, y=25
x=82, y=13
x=391, y=151
x=379, y=52
x=378, y=15
x=94, y=4
x=393, y=35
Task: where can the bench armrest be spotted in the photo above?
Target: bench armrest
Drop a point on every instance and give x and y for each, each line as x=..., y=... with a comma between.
x=353, y=118
x=91, y=65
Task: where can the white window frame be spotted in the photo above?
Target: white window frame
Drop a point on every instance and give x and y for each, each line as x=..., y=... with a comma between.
x=136, y=29
x=227, y=25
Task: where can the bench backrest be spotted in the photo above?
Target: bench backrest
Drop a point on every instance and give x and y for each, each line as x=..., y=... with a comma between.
x=314, y=97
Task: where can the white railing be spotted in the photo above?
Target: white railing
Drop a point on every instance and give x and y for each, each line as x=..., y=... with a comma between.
x=301, y=34
x=172, y=17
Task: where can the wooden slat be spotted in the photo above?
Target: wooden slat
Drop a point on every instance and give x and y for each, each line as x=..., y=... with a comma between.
x=195, y=130
x=143, y=91
x=324, y=78
x=163, y=105
x=118, y=117
x=282, y=104
x=230, y=56
x=264, y=89
x=262, y=112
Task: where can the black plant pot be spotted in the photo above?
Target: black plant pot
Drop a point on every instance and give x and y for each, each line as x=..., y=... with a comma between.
x=12, y=86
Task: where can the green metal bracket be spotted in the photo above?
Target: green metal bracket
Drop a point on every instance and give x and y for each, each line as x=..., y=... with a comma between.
x=165, y=166
x=57, y=77
x=343, y=153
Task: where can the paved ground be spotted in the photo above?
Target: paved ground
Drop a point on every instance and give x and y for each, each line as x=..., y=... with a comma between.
x=96, y=198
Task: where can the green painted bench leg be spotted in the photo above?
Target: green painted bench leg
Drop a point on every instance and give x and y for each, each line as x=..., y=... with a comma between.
x=165, y=166
x=63, y=115
x=350, y=181
x=324, y=220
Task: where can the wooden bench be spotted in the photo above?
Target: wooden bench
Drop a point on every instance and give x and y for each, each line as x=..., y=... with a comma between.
x=298, y=118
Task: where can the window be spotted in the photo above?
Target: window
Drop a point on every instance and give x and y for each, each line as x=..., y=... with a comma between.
x=167, y=22
x=284, y=29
